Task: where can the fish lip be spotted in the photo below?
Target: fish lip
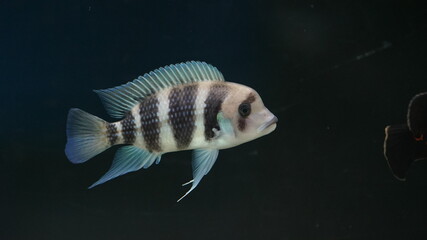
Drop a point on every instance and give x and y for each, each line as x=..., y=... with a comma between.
x=267, y=124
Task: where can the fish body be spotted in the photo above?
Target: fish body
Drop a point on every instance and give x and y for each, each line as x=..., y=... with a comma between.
x=406, y=143
x=185, y=106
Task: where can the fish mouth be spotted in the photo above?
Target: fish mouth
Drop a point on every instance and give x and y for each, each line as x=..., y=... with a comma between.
x=268, y=124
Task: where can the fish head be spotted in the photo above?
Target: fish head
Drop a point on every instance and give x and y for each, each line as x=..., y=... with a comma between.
x=248, y=115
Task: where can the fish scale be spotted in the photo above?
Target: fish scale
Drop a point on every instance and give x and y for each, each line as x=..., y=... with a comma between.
x=112, y=133
x=128, y=129
x=182, y=114
x=150, y=124
x=184, y=106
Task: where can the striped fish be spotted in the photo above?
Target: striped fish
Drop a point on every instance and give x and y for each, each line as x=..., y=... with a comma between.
x=179, y=107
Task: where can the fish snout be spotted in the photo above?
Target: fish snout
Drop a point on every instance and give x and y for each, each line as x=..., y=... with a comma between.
x=269, y=124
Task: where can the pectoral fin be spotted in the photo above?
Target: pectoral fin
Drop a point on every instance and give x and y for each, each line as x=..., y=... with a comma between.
x=225, y=125
x=203, y=160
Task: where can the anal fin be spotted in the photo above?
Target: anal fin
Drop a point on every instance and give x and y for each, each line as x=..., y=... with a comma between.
x=128, y=159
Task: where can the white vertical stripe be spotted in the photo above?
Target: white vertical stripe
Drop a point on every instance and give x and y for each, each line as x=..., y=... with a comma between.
x=139, y=140
x=166, y=138
x=198, y=140
x=119, y=132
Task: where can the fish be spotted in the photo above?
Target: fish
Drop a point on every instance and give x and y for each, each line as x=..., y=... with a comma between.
x=407, y=143
x=184, y=106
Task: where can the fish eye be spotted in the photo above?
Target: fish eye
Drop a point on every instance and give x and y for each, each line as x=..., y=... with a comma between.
x=245, y=109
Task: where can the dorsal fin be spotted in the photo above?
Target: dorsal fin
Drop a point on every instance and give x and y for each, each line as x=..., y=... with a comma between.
x=119, y=100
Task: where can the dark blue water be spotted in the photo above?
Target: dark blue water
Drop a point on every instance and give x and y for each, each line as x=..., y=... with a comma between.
x=334, y=72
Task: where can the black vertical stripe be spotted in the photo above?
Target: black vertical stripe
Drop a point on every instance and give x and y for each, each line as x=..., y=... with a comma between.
x=112, y=133
x=150, y=125
x=242, y=120
x=128, y=129
x=182, y=114
x=241, y=124
x=217, y=93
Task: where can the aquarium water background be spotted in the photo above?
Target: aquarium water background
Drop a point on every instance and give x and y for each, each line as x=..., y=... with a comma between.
x=335, y=73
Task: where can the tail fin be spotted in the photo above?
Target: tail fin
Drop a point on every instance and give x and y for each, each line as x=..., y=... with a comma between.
x=86, y=136
x=401, y=149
